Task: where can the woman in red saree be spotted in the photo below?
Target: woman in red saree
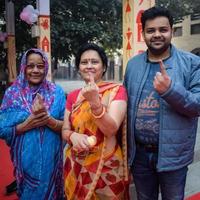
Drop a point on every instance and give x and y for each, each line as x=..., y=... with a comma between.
x=95, y=167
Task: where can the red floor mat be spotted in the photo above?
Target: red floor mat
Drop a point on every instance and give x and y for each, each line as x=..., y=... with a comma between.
x=6, y=171
x=194, y=197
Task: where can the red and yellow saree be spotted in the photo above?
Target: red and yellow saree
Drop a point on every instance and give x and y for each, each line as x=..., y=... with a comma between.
x=98, y=174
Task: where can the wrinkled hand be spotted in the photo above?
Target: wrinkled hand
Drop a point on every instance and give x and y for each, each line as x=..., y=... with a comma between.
x=36, y=120
x=91, y=91
x=161, y=81
x=39, y=116
x=79, y=142
x=38, y=105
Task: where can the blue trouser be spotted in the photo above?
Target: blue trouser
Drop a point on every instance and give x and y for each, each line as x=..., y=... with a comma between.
x=147, y=180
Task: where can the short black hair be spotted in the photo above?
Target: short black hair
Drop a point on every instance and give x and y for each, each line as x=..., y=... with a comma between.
x=154, y=12
x=95, y=47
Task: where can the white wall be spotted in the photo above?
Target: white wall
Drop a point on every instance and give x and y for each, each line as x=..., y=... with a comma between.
x=187, y=41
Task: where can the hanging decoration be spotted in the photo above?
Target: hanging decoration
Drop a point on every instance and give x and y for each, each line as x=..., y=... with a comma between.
x=3, y=36
x=29, y=14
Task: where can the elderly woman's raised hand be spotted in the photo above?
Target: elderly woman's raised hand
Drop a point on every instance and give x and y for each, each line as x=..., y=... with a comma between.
x=38, y=105
x=33, y=121
x=39, y=116
x=37, y=120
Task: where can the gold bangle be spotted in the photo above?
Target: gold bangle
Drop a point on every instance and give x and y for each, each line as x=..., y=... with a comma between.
x=100, y=115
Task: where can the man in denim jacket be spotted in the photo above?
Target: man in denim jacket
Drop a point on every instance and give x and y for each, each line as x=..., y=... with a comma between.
x=163, y=86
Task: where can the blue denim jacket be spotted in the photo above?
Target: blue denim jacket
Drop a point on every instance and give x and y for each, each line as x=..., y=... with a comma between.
x=179, y=107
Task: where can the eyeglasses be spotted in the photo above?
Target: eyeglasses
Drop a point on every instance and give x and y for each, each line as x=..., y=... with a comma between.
x=33, y=65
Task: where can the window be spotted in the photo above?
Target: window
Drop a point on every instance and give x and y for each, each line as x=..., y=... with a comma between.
x=195, y=16
x=195, y=29
x=177, y=31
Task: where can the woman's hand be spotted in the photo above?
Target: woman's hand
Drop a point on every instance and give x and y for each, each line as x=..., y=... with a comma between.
x=37, y=120
x=38, y=105
x=33, y=121
x=91, y=92
x=79, y=142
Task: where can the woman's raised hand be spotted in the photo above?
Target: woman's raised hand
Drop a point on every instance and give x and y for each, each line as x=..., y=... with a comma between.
x=39, y=116
x=33, y=121
x=38, y=105
x=91, y=91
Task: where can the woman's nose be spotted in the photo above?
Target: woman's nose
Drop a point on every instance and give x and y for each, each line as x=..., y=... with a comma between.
x=89, y=65
x=35, y=68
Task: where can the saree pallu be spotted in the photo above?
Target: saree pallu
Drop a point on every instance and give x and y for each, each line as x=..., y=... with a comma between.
x=97, y=174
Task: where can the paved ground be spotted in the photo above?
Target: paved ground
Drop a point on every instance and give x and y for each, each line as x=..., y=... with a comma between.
x=69, y=85
x=193, y=178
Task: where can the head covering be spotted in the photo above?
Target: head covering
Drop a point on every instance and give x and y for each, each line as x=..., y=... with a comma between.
x=21, y=95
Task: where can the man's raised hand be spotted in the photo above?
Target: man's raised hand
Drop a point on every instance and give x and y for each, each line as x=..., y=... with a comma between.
x=162, y=81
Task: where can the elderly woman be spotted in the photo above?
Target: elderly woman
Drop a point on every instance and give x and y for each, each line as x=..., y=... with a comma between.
x=95, y=165
x=31, y=118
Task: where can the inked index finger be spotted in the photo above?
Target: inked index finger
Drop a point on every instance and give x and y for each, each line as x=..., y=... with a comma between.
x=40, y=98
x=91, y=77
x=162, y=68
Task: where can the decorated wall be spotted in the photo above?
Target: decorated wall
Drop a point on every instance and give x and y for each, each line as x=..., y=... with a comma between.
x=133, y=42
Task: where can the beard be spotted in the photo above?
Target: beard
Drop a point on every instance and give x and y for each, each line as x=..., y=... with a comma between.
x=158, y=50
